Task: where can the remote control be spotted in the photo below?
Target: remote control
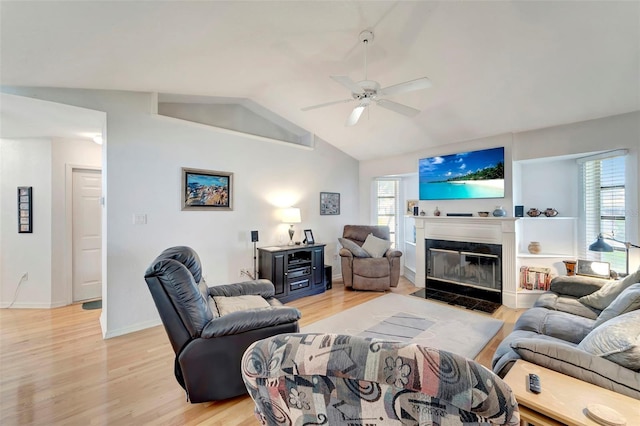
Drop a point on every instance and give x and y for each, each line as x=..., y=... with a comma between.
x=534, y=383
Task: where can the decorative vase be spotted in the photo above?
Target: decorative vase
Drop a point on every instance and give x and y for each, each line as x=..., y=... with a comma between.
x=533, y=212
x=499, y=212
x=570, y=265
x=436, y=212
x=551, y=212
x=422, y=213
x=534, y=247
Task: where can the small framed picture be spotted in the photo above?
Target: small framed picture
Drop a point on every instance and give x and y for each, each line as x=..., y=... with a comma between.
x=25, y=209
x=329, y=203
x=308, y=237
x=592, y=268
x=411, y=205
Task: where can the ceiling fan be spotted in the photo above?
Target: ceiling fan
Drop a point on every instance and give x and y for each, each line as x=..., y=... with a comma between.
x=367, y=91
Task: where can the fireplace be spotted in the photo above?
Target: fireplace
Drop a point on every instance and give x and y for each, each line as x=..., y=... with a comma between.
x=463, y=269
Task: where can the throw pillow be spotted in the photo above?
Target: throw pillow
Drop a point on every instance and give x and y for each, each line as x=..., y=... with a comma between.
x=226, y=305
x=607, y=294
x=355, y=249
x=627, y=301
x=376, y=247
x=617, y=340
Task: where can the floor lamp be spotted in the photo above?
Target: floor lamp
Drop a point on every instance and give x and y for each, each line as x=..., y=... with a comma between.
x=602, y=246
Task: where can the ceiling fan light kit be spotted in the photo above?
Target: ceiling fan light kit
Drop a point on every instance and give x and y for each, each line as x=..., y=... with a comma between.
x=366, y=91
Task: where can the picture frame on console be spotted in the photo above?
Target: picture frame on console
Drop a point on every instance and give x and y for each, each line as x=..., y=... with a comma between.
x=592, y=268
x=329, y=203
x=308, y=237
x=206, y=190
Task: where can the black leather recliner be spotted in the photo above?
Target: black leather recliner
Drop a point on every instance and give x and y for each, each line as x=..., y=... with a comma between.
x=209, y=349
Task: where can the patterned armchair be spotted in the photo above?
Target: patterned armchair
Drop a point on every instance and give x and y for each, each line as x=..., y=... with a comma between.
x=332, y=379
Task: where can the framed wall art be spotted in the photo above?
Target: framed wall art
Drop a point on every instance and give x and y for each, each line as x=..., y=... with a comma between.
x=329, y=203
x=206, y=190
x=25, y=210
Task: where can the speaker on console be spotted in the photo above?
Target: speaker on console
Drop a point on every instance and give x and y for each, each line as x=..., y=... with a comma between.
x=254, y=236
x=519, y=211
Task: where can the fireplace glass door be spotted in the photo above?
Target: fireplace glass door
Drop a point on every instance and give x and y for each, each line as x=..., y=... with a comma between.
x=463, y=267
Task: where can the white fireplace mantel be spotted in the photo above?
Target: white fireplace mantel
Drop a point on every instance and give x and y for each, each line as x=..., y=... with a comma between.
x=491, y=230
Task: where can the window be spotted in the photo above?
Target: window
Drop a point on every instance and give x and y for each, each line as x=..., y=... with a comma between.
x=603, y=186
x=387, y=206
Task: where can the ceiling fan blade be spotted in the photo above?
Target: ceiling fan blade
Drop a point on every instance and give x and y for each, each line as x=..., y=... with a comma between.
x=348, y=83
x=407, y=86
x=355, y=115
x=396, y=107
x=327, y=104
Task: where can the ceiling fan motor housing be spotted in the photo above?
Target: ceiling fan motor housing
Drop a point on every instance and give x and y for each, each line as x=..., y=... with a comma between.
x=370, y=89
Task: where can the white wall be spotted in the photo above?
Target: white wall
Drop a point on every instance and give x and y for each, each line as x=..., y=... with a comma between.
x=608, y=133
x=25, y=162
x=144, y=156
x=369, y=170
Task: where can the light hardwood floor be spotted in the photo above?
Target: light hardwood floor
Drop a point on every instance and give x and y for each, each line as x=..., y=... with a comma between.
x=55, y=368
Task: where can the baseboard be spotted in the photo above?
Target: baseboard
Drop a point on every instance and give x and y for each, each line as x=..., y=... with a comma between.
x=410, y=275
x=23, y=305
x=132, y=328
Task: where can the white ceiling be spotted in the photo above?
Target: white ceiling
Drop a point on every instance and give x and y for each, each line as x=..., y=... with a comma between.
x=496, y=66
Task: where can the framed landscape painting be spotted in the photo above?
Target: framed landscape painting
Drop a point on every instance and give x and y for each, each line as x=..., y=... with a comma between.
x=206, y=190
x=329, y=203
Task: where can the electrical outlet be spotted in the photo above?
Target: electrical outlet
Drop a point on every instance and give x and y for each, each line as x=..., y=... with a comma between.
x=246, y=272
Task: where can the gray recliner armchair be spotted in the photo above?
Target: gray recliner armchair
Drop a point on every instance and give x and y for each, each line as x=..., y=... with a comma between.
x=211, y=327
x=361, y=270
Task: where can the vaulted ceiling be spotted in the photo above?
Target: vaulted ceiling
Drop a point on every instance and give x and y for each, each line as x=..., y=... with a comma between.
x=496, y=66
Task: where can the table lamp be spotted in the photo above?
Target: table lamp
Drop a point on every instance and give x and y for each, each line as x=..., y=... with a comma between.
x=291, y=216
x=601, y=245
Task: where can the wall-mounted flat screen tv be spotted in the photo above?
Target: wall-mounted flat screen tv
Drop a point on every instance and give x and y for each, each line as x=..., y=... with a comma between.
x=466, y=175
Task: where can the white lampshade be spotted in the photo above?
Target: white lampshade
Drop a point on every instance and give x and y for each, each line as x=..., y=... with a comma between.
x=291, y=215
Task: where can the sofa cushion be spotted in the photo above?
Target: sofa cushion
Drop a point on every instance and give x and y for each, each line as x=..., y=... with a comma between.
x=617, y=340
x=371, y=268
x=561, y=325
x=567, y=359
x=627, y=301
x=226, y=305
x=608, y=293
x=576, y=285
x=355, y=249
x=376, y=247
x=569, y=304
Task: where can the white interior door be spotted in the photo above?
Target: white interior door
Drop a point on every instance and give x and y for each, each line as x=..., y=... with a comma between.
x=87, y=234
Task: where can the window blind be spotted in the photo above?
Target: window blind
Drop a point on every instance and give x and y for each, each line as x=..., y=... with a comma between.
x=603, y=195
x=387, y=205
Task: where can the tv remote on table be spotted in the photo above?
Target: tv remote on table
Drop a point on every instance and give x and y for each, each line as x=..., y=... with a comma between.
x=534, y=383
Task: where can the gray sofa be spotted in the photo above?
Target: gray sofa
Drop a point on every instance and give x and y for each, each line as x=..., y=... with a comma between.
x=584, y=327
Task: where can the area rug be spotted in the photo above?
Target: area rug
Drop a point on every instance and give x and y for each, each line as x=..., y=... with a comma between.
x=406, y=318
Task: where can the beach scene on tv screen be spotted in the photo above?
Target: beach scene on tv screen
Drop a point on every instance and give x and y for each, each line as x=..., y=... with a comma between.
x=473, y=174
